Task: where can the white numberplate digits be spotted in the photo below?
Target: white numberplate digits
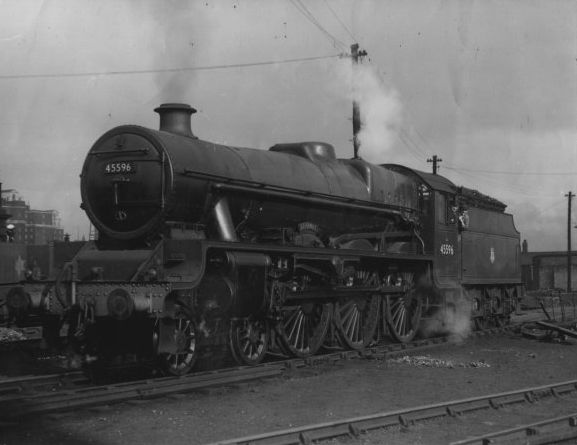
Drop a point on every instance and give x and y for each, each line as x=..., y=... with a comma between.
x=447, y=249
x=113, y=168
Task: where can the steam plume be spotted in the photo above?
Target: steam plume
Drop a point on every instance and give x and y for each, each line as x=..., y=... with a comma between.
x=454, y=320
x=380, y=109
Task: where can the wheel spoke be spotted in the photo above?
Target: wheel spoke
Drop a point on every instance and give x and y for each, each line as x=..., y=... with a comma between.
x=399, y=308
x=355, y=332
x=349, y=323
x=292, y=318
x=402, y=315
x=184, y=337
x=348, y=310
x=357, y=325
x=399, y=320
x=306, y=332
x=300, y=329
x=293, y=322
x=355, y=328
x=300, y=326
x=249, y=340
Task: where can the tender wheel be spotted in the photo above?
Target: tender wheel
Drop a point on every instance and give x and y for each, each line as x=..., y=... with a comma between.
x=184, y=343
x=249, y=340
x=356, y=321
x=302, y=329
x=402, y=314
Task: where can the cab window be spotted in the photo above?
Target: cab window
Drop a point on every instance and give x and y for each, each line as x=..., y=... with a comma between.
x=441, y=208
x=445, y=209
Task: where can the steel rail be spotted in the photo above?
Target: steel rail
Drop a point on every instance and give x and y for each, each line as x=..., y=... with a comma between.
x=16, y=401
x=15, y=406
x=554, y=430
x=355, y=426
x=52, y=392
x=25, y=383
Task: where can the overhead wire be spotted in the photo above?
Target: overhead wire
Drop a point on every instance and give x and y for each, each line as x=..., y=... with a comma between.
x=491, y=182
x=166, y=70
x=484, y=176
x=301, y=7
x=406, y=106
x=501, y=185
x=415, y=150
x=340, y=21
x=495, y=172
x=411, y=149
x=421, y=137
x=557, y=204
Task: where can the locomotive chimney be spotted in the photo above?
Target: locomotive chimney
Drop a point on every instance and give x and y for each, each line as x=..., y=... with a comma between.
x=175, y=118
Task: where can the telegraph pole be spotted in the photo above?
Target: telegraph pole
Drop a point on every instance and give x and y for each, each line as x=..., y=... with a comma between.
x=356, y=56
x=435, y=161
x=569, y=197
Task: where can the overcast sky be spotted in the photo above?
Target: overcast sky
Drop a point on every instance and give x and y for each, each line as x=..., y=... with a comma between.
x=488, y=86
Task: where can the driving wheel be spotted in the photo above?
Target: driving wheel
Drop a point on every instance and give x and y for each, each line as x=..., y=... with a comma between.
x=303, y=328
x=402, y=314
x=356, y=321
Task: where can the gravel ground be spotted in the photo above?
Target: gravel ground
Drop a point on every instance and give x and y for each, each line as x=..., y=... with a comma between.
x=311, y=395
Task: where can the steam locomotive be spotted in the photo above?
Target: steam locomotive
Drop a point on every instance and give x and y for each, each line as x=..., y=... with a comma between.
x=203, y=246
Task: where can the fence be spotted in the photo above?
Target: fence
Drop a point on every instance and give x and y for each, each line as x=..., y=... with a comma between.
x=560, y=306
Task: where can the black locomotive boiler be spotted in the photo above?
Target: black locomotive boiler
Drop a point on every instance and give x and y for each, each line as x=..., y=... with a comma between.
x=203, y=245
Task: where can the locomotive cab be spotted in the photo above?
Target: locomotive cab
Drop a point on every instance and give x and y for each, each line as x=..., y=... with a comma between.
x=437, y=201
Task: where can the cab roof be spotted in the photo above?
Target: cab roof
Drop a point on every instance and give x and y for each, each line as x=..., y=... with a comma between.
x=439, y=183
x=436, y=182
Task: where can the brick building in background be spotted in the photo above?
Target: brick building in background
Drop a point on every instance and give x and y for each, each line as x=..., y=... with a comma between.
x=31, y=226
x=547, y=270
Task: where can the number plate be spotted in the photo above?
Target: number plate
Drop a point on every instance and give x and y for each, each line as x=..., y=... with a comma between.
x=447, y=249
x=119, y=168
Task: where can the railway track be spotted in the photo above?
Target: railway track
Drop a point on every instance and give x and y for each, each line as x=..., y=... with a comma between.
x=15, y=406
x=548, y=431
x=48, y=382
x=57, y=392
x=555, y=430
